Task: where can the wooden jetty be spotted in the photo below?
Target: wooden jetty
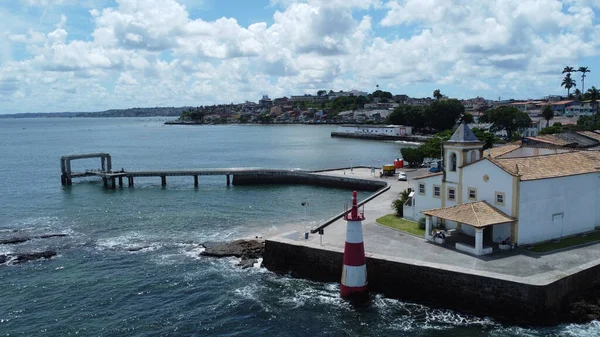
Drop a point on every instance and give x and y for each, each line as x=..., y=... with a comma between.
x=234, y=175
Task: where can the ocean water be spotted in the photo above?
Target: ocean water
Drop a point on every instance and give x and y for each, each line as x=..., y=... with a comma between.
x=130, y=265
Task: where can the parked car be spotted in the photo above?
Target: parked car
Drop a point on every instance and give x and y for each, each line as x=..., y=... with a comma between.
x=402, y=176
x=435, y=169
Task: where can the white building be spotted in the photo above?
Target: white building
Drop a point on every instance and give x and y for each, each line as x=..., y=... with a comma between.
x=581, y=109
x=383, y=130
x=526, y=194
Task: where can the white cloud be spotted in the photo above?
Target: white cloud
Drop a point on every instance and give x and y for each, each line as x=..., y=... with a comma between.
x=150, y=52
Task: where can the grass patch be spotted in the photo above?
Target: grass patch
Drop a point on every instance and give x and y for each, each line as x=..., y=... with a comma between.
x=566, y=242
x=392, y=221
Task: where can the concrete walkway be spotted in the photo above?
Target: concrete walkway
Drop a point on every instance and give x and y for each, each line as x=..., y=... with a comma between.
x=517, y=265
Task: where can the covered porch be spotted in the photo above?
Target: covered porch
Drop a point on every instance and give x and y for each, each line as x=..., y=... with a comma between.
x=478, y=215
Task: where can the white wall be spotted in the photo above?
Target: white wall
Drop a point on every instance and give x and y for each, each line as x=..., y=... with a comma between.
x=499, y=181
x=377, y=130
x=576, y=197
x=501, y=232
x=427, y=201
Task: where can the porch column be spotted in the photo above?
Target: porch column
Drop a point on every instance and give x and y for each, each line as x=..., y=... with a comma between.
x=479, y=241
x=428, y=227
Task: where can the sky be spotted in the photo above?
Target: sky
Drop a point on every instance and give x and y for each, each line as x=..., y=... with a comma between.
x=94, y=55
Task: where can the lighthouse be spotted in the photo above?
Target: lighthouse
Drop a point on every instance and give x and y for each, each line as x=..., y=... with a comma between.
x=354, y=271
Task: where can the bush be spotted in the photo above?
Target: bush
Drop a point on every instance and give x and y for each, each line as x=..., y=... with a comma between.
x=422, y=223
x=398, y=206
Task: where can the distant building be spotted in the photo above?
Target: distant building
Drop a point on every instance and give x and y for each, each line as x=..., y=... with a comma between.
x=265, y=101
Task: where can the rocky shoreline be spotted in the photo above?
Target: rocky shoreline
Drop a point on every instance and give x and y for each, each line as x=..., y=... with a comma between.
x=248, y=250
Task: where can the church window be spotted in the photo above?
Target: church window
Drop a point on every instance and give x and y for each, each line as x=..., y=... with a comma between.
x=451, y=193
x=473, y=156
x=499, y=196
x=422, y=189
x=436, y=191
x=453, y=161
x=472, y=193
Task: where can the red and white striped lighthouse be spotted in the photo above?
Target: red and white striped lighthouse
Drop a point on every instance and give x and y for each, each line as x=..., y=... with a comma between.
x=354, y=272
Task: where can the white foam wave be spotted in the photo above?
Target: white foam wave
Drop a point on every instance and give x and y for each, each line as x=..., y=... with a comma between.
x=591, y=329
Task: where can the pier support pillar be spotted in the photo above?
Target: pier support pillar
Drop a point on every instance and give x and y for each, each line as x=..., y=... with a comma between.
x=228, y=180
x=113, y=182
x=130, y=181
x=108, y=163
x=68, y=169
x=195, y=180
x=120, y=181
x=427, y=227
x=63, y=174
x=163, y=180
x=102, y=164
x=105, y=181
x=479, y=241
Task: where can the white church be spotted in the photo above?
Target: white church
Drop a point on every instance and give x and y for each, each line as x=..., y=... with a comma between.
x=523, y=194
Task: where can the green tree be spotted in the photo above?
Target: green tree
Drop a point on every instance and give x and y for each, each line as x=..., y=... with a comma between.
x=568, y=70
x=568, y=83
x=437, y=94
x=593, y=94
x=506, y=118
x=487, y=137
x=578, y=95
x=554, y=129
x=432, y=148
x=548, y=114
x=195, y=115
x=413, y=156
x=583, y=71
x=442, y=115
x=382, y=94
x=321, y=93
x=265, y=118
x=408, y=115
x=467, y=118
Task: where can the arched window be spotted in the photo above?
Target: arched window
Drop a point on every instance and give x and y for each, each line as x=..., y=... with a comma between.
x=453, y=161
x=473, y=156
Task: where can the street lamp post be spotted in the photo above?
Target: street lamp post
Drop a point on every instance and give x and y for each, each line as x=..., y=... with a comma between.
x=441, y=150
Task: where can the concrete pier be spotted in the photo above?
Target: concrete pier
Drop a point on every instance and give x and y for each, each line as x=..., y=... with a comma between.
x=233, y=176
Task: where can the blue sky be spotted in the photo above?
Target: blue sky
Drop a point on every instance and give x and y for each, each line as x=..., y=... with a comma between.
x=91, y=55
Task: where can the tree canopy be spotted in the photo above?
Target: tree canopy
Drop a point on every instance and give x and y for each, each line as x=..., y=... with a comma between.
x=348, y=103
x=193, y=115
x=382, y=94
x=548, y=114
x=506, y=118
x=408, y=115
x=442, y=115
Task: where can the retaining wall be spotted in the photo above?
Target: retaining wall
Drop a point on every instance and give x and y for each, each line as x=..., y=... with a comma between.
x=506, y=300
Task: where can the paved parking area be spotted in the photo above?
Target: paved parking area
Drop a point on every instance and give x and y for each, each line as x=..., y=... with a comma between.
x=518, y=265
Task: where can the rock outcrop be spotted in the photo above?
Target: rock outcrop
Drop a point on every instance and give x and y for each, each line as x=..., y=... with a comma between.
x=14, y=241
x=21, y=239
x=247, y=250
x=24, y=257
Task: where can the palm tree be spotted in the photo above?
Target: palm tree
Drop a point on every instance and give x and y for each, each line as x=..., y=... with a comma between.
x=437, y=94
x=578, y=94
x=583, y=70
x=568, y=70
x=548, y=114
x=568, y=83
x=594, y=95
